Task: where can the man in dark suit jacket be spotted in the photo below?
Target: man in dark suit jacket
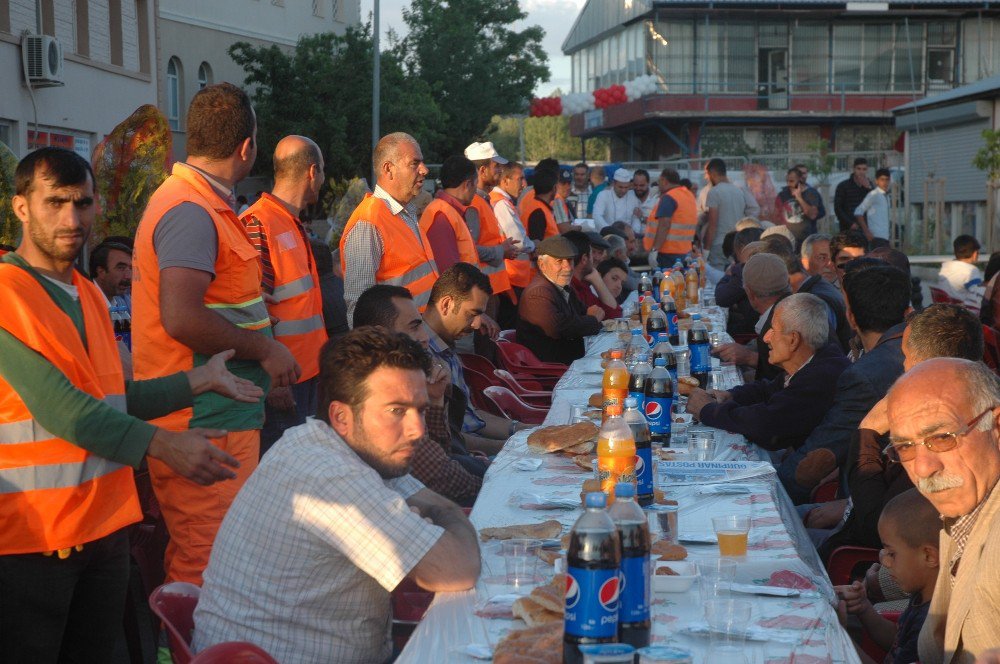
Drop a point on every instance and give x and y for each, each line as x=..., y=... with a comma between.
x=552, y=321
x=781, y=412
x=877, y=300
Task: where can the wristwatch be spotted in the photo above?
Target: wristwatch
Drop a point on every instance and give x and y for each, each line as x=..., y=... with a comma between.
x=514, y=424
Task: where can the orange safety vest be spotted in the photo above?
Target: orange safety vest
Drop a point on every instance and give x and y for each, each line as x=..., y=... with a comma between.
x=234, y=293
x=56, y=494
x=299, y=302
x=550, y=219
x=518, y=269
x=466, y=247
x=683, y=223
x=490, y=236
x=406, y=261
x=524, y=203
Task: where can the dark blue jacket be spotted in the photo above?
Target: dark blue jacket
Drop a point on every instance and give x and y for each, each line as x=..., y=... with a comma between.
x=859, y=388
x=776, y=417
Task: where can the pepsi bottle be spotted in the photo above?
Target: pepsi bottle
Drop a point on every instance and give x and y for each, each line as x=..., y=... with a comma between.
x=635, y=596
x=645, y=479
x=657, y=278
x=656, y=322
x=666, y=351
x=659, y=399
x=637, y=378
x=669, y=309
x=701, y=359
x=592, y=580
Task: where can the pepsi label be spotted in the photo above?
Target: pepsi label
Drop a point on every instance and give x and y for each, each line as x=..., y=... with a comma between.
x=592, y=602
x=658, y=414
x=639, y=395
x=672, y=324
x=701, y=359
x=644, y=471
x=634, y=581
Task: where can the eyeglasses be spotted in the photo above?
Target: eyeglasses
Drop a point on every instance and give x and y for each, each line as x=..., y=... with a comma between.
x=901, y=452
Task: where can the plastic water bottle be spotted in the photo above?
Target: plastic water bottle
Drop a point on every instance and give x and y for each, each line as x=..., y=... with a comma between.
x=636, y=346
x=635, y=595
x=701, y=358
x=645, y=283
x=593, y=564
x=645, y=478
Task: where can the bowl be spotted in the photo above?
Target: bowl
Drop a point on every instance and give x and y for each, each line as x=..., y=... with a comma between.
x=681, y=583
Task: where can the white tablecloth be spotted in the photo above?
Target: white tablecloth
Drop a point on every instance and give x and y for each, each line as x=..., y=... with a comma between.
x=805, y=626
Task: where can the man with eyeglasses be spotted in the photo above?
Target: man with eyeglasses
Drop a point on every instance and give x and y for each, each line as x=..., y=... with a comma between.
x=948, y=442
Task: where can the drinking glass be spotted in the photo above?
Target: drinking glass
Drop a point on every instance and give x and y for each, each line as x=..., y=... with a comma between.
x=733, y=532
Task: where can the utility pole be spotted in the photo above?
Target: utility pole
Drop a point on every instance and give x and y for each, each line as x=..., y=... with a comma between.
x=376, y=85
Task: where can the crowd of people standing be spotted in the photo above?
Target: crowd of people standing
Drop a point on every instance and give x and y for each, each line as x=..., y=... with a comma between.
x=305, y=419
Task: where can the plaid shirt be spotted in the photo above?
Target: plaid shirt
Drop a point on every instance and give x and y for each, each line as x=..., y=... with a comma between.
x=436, y=469
x=959, y=529
x=471, y=422
x=308, y=553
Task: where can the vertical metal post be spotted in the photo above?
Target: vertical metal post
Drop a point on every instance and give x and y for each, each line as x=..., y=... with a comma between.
x=376, y=85
x=520, y=136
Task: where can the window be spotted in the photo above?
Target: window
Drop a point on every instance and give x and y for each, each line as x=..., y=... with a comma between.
x=885, y=57
x=318, y=8
x=174, y=93
x=810, y=58
x=204, y=75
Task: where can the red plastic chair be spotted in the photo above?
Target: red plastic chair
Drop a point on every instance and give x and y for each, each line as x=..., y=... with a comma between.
x=824, y=493
x=519, y=359
x=174, y=604
x=871, y=648
x=409, y=604
x=991, y=350
x=941, y=296
x=522, y=388
x=513, y=407
x=508, y=335
x=840, y=566
x=477, y=383
x=233, y=652
x=485, y=367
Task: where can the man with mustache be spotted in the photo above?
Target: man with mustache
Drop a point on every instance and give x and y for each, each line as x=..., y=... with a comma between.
x=382, y=241
x=945, y=433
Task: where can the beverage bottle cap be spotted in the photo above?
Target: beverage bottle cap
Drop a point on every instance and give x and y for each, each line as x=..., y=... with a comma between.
x=663, y=337
x=695, y=317
x=624, y=490
x=631, y=402
x=617, y=354
x=596, y=499
x=660, y=362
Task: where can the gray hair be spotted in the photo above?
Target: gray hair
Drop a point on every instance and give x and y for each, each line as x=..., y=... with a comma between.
x=617, y=243
x=807, y=244
x=387, y=148
x=983, y=390
x=806, y=314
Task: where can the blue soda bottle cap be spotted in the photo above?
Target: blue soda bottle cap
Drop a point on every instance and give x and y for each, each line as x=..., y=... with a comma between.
x=624, y=490
x=661, y=362
x=695, y=316
x=663, y=337
x=631, y=402
x=596, y=499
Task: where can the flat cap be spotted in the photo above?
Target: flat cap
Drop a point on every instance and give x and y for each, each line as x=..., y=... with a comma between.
x=557, y=246
x=765, y=275
x=596, y=240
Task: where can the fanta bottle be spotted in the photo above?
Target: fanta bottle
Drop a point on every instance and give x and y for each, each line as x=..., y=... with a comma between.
x=692, y=285
x=702, y=277
x=646, y=303
x=614, y=388
x=615, y=451
x=666, y=286
x=680, y=297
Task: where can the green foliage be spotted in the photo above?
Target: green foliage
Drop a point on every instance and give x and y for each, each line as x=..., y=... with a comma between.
x=323, y=89
x=474, y=63
x=822, y=163
x=988, y=156
x=543, y=137
x=10, y=225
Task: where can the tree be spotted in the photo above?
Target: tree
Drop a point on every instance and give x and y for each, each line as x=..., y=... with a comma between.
x=323, y=90
x=543, y=137
x=10, y=225
x=474, y=64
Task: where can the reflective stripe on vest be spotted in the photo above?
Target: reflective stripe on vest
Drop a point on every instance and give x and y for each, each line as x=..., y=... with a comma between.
x=406, y=260
x=683, y=223
x=298, y=302
x=234, y=294
x=56, y=494
x=463, y=238
x=489, y=236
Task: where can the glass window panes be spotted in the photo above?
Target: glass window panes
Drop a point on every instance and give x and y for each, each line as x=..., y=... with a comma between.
x=877, y=57
x=204, y=75
x=810, y=58
x=174, y=94
x=940, y=65
x=847, y=49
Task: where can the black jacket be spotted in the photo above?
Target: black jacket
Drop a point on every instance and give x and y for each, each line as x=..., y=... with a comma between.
x=552, y=325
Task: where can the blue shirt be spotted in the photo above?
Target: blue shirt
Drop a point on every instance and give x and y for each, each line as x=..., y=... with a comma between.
x=471, y=422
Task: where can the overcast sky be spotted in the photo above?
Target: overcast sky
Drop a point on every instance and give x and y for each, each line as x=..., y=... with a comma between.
x=555, y=16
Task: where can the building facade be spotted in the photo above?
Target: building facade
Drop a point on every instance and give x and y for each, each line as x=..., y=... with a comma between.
x=768, y=78
x=195, y=36
x=108, y=61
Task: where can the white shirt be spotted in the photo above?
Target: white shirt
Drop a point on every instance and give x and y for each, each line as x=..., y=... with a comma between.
x=510, y=221
x=960, y=276
x=876, y=206
x=308, y=553
x=609, y=208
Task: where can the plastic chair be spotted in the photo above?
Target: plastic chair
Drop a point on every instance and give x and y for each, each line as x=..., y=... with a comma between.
x=477, y=383
x=941, y=296
x=485, y=367
x=233, y=652
x=174, y=604
x=871, y=648
x=840, y=566
x=523, y=389
x=409, y=604
x=519, y=359
x=513, y=407
x=508, y=335
x=824, y=493
x=991, y=350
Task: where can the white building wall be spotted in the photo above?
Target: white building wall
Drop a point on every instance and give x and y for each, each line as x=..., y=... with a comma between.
x=100, y=32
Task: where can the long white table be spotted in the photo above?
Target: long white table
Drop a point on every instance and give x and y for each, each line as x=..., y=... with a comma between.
x=805, y=626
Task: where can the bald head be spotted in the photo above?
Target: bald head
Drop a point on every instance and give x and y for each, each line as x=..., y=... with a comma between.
x=293, y=157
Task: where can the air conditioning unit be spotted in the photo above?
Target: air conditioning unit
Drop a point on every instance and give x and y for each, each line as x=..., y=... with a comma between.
x=42, y=58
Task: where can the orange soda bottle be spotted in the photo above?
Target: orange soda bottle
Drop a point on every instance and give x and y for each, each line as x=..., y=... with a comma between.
x=644, y=307
x=680, y=298
x=702, y=277
x=615, y=451
x=614, y=388
x=691, y=279
x=666, y=285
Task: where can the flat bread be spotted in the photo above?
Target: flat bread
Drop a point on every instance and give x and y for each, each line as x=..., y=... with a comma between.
x=667, y=551
x=544, y=530
x=665, y=571
x=560, y=437
x=549, y=556
x=596, y=400
x=586, y=447
x=585, y=461
x=534, y=645
x=552, y=595
x=533, y=613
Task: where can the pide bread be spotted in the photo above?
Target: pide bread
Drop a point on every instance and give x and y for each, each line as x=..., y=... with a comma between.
x=544, y=530
x=561, y=437
x=534, y=645
x=667, y=551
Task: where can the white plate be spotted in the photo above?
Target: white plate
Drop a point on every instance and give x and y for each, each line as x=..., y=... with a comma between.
x=681, y=583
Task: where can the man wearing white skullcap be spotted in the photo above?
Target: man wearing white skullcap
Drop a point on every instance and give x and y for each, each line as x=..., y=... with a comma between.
x=618, y=203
